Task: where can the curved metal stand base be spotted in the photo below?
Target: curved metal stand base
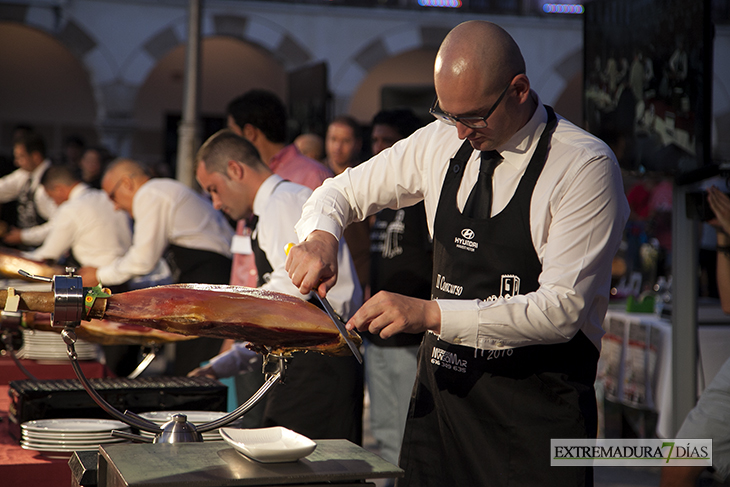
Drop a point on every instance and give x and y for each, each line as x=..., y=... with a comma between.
x=179, y=430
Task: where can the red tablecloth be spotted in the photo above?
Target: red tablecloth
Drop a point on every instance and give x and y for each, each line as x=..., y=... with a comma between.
x=49, y=370
x=28, y=468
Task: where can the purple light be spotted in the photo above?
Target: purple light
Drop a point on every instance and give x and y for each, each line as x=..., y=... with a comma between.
x=562, y=8
x=440, y=3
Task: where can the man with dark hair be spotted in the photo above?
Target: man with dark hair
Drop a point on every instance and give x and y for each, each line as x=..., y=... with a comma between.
x=34, y=206
x=259, y=116
x=342, y=143
x=401, y=262
x=321, y=396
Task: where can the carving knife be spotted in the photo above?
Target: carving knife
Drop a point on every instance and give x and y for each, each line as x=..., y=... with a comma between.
x=335, y=319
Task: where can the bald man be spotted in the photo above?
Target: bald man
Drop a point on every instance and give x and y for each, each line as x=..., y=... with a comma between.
x=168, y=218
x=171, y=221
x=310, y=145
x=520, y=279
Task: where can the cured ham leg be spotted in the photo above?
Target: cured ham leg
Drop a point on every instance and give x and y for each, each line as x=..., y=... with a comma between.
x=271, y=322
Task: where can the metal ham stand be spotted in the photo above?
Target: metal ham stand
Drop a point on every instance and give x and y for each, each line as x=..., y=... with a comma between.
x=71, y=302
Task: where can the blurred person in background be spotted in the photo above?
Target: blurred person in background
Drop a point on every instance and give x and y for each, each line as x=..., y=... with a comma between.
x=96, y=239
x=322, y=396
x=709, y=418
x=173, y=221
x=343, y=143
x=92, y=165
x=310, y=145
x=34, y=206
x=260, y=117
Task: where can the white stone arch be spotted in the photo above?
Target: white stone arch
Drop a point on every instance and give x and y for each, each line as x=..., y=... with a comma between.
x=392, y=43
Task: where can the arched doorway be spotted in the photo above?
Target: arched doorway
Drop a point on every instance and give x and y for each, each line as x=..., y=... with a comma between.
x=49, y=89
x=402, y=80
x=229, y=67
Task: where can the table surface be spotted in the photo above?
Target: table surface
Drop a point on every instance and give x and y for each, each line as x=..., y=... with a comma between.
x=217, y=463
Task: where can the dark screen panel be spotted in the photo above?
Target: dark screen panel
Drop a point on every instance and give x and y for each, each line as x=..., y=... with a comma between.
x=647, y=81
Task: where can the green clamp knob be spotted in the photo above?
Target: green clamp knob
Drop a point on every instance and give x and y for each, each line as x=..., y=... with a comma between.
x=91, y=294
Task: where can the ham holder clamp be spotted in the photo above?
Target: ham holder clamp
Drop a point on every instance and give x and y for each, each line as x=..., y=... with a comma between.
x=70, y=304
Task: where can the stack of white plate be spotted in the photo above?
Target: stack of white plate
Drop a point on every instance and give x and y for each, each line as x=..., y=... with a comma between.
x=69, y=434
x=195, y=417
x=48, y=345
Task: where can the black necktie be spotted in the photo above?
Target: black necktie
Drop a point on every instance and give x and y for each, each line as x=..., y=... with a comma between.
x=479, y=203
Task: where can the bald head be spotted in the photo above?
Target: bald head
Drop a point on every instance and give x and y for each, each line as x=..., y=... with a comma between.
x=477, y=54
x=125, y=167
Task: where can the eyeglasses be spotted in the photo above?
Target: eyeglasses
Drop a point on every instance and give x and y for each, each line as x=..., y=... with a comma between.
x=114, y=190
x=471, y=122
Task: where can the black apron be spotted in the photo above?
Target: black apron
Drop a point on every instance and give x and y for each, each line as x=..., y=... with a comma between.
x=27, y=212
x=487, y=417
x=195, y=266
x=192, y=266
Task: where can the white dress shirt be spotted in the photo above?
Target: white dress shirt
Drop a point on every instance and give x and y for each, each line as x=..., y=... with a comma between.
x=11, y=187
x=577, y=216
x=167, y=212
x=278, y=206
x=88, y=225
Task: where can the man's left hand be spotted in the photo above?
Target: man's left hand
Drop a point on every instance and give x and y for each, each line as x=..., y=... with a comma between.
x=88, y=276
x=389, y=313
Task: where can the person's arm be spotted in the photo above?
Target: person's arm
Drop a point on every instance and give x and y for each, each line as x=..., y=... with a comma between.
x=62, y=229
x=585, y=227
x=149, y=240
x=12, y=184
x=396, y=177
x=35, y=235
x=233, y=361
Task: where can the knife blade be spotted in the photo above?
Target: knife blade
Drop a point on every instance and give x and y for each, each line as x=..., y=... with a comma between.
x=340, y=326
x=333, y=316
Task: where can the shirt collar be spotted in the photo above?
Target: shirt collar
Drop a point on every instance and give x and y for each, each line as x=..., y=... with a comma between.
x=519, y=148
x=264, y=193
x=78, y=190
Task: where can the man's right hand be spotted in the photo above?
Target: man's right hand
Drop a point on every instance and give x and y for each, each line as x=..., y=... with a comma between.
x=312, y=264
x=204, y=371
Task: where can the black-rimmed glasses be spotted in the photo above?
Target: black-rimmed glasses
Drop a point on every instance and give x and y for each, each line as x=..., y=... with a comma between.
x=113, y=192
x=471, y=122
